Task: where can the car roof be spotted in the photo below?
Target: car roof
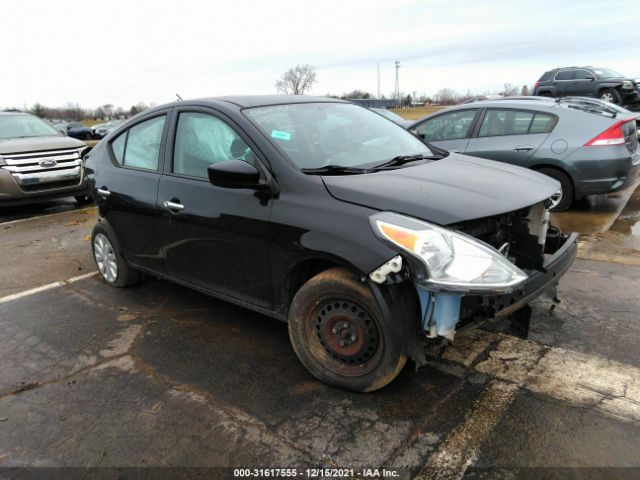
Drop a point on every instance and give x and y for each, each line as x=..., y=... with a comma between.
x=250, y=101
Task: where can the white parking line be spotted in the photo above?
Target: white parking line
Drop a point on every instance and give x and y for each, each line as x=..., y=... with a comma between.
x=46, y=287
x=461, y=447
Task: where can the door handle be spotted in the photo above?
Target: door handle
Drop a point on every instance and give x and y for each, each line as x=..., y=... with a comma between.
x=104, y=192
x=173, y=206
x=454, y=150
x=523, y=148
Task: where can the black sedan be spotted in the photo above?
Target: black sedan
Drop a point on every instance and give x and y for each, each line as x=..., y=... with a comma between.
x=327, y=216
x=75, y=130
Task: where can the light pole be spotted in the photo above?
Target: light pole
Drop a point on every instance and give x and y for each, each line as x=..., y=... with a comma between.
x=398, y=82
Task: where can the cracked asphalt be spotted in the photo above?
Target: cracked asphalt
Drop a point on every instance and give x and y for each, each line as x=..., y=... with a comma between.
x=161, y=376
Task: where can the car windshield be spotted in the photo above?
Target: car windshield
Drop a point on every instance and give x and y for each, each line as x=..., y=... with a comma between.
x=315, y=135
x=607, y=73
x=16, y=126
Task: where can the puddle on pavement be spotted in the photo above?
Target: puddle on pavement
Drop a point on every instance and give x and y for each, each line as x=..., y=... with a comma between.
x=621, y=241
x=593, y=214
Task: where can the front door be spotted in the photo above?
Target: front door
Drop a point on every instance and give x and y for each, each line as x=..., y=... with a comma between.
x=215, y=238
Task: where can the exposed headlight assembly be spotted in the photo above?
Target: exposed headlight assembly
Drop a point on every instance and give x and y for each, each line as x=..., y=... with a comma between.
x=450, y=260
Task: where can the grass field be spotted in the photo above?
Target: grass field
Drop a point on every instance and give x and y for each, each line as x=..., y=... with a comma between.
x=416, y=112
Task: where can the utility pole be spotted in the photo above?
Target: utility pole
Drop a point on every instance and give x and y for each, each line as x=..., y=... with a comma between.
x=398, y=82
x=378, y=80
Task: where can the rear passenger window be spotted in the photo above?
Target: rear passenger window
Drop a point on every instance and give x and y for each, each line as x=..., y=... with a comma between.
x=515, y=122
x=565, y=75
x=139, y=147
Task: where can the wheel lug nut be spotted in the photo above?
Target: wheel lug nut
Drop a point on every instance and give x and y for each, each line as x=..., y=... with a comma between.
x=335, y=330
x=353, y=338
x=342, y=343
x=345, y=325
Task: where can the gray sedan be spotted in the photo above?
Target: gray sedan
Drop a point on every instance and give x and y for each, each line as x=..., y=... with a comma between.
x=589, y=146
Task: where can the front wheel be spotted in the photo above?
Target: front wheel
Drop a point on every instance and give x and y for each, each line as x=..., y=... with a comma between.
x=610, y=95
x=340, y=336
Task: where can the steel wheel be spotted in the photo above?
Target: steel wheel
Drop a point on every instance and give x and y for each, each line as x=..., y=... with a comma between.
x=105, y=258
x=340, y=335
x=348, y=336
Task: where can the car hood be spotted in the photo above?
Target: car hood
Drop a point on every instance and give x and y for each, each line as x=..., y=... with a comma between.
x=451, y=190
x=34, y=144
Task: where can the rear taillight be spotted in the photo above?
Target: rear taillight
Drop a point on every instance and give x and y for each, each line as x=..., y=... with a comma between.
x=536, y=85
x=614, y=135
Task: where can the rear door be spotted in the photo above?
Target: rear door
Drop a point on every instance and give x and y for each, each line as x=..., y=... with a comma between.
x=126, y=188
x=563, y=81
x=449, y=131
x=510, y=135
x=213, y=237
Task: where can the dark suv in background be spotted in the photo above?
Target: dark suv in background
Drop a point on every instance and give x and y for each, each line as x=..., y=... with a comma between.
x=602, y=83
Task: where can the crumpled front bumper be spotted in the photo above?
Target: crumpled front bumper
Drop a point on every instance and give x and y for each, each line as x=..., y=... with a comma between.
x=539, y=281
x=440, y=311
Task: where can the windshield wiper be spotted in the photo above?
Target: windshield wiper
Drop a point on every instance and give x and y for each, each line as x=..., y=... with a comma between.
x=402, y=159
x=334, y=170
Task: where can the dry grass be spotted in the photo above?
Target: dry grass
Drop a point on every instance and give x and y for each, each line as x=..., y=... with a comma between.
x=416, y=112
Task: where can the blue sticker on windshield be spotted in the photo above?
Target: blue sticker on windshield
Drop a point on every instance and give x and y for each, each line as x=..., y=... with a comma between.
x=280, y=135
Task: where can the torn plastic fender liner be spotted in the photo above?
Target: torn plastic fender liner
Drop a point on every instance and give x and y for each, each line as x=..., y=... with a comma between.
x=440, y=312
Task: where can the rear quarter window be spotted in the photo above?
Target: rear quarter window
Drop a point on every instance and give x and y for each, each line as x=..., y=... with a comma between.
x=546, y=76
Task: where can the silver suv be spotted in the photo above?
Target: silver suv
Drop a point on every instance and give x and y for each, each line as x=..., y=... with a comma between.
x=37, y=162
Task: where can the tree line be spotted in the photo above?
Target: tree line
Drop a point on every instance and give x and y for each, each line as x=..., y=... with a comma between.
x=73, y=111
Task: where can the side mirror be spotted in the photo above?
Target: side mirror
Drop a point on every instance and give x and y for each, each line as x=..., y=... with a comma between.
x=233, y=174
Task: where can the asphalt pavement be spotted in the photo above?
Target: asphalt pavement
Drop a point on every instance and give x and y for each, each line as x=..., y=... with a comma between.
x=108, y=383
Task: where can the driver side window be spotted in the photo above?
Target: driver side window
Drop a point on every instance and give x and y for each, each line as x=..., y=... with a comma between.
x=449, y=126
x=201, y=140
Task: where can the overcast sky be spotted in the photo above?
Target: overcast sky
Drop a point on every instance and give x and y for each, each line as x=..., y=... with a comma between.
x=125, y=52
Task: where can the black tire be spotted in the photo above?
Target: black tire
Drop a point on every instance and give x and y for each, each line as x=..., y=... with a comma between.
x=340, y=336
x=568, y=193
x=125, y=274
x=610, y=95
x=545, y=94
x=82, y=199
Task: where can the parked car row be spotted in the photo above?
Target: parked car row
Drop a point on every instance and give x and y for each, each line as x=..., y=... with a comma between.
x=82, y=132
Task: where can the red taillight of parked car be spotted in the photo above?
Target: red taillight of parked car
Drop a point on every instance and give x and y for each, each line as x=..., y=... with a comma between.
x=614, y=135
x=536, y=85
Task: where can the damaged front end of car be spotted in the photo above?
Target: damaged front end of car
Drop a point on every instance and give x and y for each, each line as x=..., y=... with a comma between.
x=474, y=270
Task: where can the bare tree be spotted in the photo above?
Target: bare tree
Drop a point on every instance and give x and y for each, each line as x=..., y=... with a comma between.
x=39, y=110
x=297, y=80
x=508, y=90
x=446, y=96
x=356, y=94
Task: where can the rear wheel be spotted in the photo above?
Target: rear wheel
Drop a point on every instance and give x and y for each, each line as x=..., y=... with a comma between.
x=112, y=266
x=340, y=336
x=565, y=196
x=610, y=95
